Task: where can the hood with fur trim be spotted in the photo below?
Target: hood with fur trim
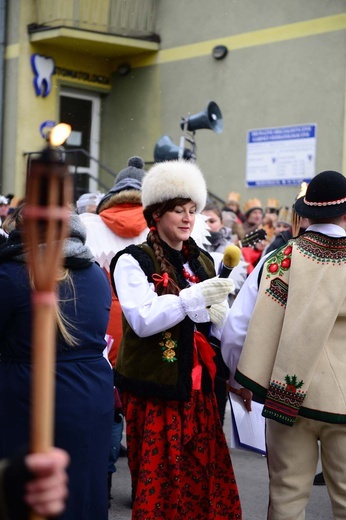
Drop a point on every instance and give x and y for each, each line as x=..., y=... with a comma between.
x=123, y=214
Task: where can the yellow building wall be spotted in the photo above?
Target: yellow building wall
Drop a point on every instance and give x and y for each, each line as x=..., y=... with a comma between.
x=275, y=74
x=25, y=111
x=286, y=64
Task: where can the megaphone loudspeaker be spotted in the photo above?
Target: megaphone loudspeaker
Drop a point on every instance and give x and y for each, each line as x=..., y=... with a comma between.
x=166, y=150
x=210, y=118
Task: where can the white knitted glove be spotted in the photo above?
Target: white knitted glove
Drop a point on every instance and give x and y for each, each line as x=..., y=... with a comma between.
x=206, y=293
x=215, y=290
x=218, y=313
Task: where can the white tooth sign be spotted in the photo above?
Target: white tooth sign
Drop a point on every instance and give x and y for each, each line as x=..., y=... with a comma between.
x=43, y=69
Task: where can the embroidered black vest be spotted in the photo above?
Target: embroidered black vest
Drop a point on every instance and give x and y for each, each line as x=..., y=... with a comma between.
x=161, y=365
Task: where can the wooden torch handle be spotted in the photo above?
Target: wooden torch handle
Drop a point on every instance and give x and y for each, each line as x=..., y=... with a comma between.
x=46, y=217
x=43, y=377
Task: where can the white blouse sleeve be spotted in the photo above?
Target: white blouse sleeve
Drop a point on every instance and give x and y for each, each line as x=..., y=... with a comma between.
x=235, y=329
x=146, y=312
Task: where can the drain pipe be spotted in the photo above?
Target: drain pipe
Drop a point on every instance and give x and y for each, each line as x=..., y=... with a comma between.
x=2, y=79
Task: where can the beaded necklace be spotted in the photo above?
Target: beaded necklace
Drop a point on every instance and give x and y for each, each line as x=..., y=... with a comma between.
x=190, y=277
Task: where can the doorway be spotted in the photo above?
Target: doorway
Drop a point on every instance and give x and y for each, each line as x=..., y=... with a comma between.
x=81, y=110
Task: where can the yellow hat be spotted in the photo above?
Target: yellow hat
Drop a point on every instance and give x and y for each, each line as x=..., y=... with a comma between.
x=285, y=215
x=296, y=219
x=252, y=204
x=233, y=196
x=303, y=188
x=273, y=203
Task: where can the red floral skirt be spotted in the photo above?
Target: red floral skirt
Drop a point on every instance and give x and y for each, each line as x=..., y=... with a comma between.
x=179, y=460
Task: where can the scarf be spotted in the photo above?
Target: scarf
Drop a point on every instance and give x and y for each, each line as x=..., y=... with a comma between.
x=76, y=254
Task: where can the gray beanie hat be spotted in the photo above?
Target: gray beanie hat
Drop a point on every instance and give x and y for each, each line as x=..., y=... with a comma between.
x=129, y=178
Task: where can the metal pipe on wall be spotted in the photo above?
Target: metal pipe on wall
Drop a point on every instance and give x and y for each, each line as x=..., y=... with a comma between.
x=2, y=77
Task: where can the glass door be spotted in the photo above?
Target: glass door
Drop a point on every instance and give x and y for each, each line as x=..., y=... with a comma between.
x=81, y=110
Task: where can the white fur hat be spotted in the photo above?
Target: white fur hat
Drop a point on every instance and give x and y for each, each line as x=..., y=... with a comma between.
x=171, y=179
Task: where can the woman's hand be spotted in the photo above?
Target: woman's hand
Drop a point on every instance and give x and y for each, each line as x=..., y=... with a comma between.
x=218, y=313
x=46, y=493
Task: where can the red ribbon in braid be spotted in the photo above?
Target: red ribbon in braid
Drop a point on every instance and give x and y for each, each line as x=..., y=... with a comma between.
x=158, y=279
x=164, y=280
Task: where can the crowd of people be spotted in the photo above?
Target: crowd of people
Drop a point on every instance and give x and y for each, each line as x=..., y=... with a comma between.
x=151, y=339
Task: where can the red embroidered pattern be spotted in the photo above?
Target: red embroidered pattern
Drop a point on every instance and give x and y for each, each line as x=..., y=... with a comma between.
x=280, y=262
x=278, y=290
x=322, y=249
x=282, y=402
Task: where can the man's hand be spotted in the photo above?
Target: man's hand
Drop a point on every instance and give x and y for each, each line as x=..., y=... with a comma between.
x=245, y=394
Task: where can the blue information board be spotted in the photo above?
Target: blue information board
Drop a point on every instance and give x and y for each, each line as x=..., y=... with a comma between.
x=281, y=156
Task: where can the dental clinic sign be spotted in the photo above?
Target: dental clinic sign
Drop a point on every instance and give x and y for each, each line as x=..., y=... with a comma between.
x=281, y=156
x=43, y=68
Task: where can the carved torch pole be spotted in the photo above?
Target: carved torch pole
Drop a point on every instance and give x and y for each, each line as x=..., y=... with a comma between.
x=45, y=221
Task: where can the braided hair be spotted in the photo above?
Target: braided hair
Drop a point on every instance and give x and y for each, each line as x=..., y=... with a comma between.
x=165, y=266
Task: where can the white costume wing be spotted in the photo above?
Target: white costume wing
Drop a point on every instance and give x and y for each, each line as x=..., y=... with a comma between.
x=200, y=231
x=105, y=244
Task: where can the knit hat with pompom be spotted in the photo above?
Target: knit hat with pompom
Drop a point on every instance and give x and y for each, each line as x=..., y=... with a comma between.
x=129, y=178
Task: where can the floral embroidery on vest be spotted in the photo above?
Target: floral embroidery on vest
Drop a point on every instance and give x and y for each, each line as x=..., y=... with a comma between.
x=276, y=266
x=168, y=345
x=280, y=262
x=292, y=383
